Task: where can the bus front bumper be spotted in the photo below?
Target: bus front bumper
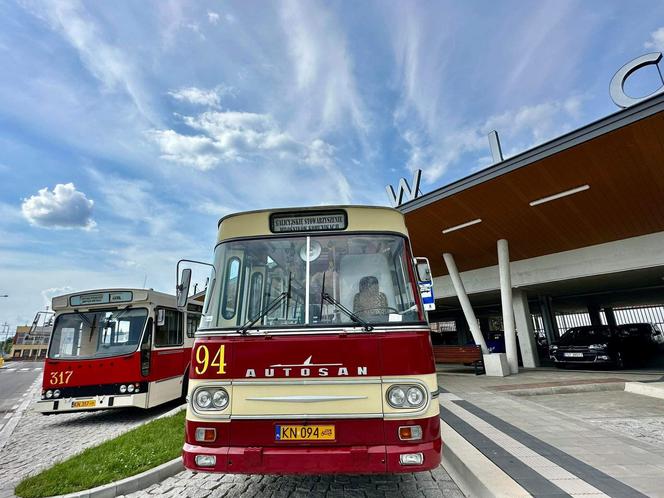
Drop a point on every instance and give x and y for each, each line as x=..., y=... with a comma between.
x=375, y=459
x=89, y=403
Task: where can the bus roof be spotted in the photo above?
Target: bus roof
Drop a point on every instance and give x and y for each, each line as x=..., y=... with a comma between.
x=96, y=298
x=318, y=219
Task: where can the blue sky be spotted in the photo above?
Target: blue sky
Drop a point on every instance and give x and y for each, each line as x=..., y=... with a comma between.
x=128, y=128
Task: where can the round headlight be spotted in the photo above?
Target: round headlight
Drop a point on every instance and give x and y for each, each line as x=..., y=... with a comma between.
x=56, y=393
x=396, y=397
x=415, y=396
x=203, y=399
x=220, y=398
x=49, y=394
x=130, y=388
x=123, y=389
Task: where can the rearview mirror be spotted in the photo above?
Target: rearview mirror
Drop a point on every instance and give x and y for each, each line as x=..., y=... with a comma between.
x=182, y=290
x=425, y=283
x=423, y=272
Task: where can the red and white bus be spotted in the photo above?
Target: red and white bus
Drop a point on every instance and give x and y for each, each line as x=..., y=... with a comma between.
x=313, y=354
x=115, y=348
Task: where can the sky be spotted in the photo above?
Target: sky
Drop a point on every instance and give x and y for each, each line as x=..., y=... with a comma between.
x=127, y=129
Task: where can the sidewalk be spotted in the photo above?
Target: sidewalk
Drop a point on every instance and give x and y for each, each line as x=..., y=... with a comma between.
x=561, y=433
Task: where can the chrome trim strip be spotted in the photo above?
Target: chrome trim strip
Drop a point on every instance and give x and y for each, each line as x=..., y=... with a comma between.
x=305, y=399
x=311, y=331
x=307, y=417
x=305, y=382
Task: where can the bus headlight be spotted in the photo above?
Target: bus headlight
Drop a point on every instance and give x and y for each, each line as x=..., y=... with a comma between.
x=406, y=396
x=130, y=388
x=220, y=399
x=49, y=394
x=123, y=389
x=56, y=393
x=203, y=399
x=209, y=398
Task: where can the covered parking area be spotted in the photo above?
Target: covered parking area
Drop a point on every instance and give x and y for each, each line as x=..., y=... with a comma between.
x=568, y=233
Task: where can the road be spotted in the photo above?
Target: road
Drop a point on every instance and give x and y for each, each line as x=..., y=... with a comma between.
x=15, y=380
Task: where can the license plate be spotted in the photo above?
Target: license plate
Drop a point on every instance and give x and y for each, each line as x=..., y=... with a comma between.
x=88, y=403
x=573, y=355
x=304, y=432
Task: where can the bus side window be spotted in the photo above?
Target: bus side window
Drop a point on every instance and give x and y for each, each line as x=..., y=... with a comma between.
x=193, y=319
x=170, y=333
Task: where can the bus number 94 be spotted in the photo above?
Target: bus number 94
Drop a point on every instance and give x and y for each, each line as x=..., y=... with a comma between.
x=203, y=360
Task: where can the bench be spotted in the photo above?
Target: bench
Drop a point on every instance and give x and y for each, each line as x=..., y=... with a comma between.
x=468, y=355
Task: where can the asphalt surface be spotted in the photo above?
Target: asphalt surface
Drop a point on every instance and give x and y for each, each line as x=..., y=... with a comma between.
x=15, y=380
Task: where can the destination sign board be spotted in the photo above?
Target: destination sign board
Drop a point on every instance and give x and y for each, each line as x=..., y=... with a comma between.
x=308, y=222
x=101, y=298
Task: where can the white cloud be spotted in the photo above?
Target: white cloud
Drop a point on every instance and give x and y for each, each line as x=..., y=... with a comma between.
x=323, y=68
x=213, y=17
x=112, y=66
x=519, y=129
x=64, y=207
x=199, y=96
x=227, y=137
x=656, y=41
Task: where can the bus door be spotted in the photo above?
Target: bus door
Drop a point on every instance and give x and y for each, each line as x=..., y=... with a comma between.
x=168, y=358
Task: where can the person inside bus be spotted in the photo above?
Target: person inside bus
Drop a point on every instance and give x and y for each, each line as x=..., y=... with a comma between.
x=370, y=304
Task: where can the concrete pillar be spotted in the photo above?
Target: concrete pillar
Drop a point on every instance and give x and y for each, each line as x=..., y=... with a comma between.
x=465, y=302
x=610, y=317
x=506, y=302
x=549, y=319
x=595, y=317
x=525, y=329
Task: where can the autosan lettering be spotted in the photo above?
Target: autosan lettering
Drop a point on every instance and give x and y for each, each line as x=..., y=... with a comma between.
x=308, y=369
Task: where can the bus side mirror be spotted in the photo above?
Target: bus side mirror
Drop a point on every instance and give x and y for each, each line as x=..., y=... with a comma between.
x=182, y=289
x=425, y=283
x=423, y=270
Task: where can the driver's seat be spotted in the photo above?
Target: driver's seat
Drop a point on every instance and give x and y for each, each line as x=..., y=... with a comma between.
x=370, y=304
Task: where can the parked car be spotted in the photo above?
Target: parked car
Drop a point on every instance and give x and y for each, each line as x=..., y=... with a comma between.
x=646, y=335
x=603, y=345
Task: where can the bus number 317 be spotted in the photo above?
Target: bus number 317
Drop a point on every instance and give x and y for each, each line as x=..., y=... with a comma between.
x=203, y=360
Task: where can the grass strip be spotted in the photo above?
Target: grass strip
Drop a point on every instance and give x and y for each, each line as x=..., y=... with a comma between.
x=131, y=453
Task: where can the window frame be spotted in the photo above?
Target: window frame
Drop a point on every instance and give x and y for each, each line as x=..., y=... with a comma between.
x=409, y=274
x=180, y=326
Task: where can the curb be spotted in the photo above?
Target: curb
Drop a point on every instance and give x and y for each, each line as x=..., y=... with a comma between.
x=653, y=389
x=582, y=388
x=137, y=482
x=474, y=473
x=131, y=484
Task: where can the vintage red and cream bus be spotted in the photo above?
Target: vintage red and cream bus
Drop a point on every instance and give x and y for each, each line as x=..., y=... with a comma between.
x=115, y=348
x=313, y=354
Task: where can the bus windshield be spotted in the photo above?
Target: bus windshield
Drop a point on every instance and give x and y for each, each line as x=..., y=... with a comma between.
x=96, y=334
x=365, y=278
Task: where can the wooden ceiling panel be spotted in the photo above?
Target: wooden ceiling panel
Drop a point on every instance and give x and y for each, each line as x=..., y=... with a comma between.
x=625, y=171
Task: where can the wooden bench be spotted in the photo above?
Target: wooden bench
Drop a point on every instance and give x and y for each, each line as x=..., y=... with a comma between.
x=460, y=354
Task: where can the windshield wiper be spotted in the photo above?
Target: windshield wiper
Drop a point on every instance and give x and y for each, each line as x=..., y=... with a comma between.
x=324, y=296
x=275, y=302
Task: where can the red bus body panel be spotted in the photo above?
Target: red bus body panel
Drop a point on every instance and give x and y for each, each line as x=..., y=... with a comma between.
x=362, y=445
